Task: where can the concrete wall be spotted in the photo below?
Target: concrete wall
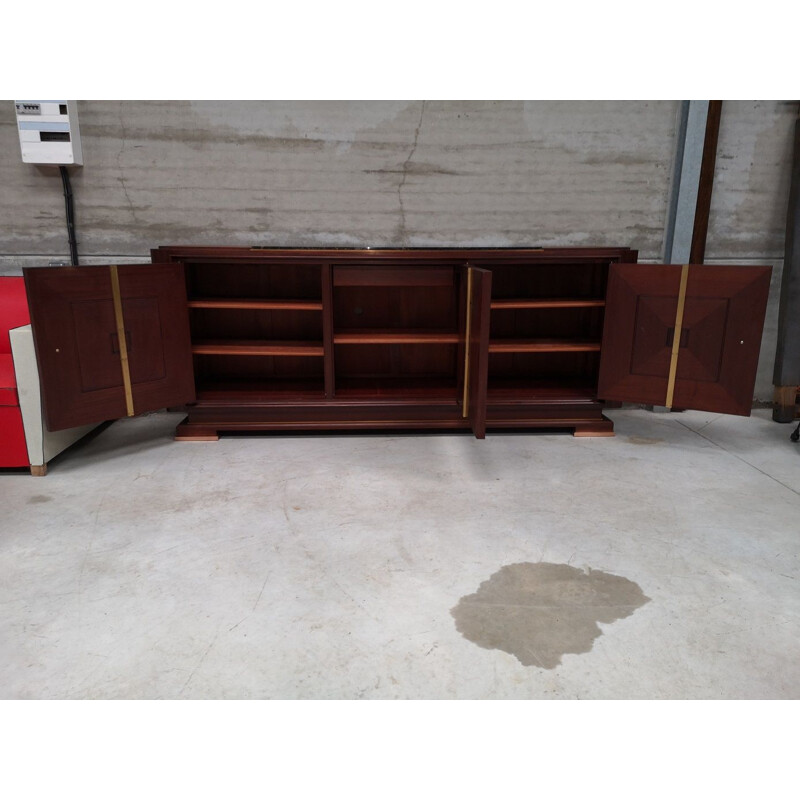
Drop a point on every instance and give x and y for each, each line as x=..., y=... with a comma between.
x=389, y=173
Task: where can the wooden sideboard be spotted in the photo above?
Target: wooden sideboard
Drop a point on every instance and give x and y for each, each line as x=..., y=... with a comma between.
x=268, y=339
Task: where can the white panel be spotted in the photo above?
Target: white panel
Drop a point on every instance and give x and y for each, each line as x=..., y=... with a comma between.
x=42, y=444
x=38, y=119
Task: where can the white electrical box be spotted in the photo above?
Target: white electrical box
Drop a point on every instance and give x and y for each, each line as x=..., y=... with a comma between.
x=49, y=132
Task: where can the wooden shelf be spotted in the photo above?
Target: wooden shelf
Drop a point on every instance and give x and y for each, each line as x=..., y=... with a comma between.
x=395, y=337
x=247, y=347
x=518, y=390
x=543, y=346
x=394, y=388
x=552, y=302
x=264, y=305
x=247, y=392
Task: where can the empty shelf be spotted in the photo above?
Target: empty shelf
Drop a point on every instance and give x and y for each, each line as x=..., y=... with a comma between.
x=521, y=390
x=543, y=346
x=241, y=303
x=246, y=347
x=246, y=392
x=395, y=337
x=438, y=389
x=552, y=302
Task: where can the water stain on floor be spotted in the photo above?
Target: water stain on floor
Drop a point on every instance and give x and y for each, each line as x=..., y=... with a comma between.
x=39, y=498
x=539, y=612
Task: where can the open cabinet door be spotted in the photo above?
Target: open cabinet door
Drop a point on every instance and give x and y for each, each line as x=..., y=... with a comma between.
x=684, y=337
x=110, y=341
x=476, y=359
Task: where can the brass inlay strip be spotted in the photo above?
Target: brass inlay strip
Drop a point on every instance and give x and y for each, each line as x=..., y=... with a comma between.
x=468, y=333
x=676, y=338
x=123, y=344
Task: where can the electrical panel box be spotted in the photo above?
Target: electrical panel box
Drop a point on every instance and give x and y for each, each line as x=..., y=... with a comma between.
x=49, y=132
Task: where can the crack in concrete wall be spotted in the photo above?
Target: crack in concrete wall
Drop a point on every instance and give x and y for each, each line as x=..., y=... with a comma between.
x=123, y=142
x=402, y=235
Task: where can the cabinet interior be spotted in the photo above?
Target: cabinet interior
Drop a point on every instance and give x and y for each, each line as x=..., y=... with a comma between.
x=347, y=338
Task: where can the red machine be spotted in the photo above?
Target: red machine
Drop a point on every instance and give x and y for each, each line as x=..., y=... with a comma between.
x=13, y=313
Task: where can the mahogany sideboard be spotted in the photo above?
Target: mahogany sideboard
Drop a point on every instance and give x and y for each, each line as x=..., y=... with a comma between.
x=272, y=339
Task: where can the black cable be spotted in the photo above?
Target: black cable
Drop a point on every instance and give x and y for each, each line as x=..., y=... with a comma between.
x=73, y=245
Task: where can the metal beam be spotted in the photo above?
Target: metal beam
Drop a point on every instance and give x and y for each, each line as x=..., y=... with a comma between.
x=686, y=181
x=706, y=183
x=786, y=376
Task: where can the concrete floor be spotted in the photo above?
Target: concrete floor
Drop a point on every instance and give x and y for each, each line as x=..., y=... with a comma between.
x=327, y=567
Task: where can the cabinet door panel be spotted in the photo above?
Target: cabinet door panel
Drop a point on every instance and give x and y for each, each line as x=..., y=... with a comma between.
x=719, y=339
x=156, y=314
x=78, y=348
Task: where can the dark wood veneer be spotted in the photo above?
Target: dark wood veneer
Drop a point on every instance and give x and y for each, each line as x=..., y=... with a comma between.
x=719, y=343
x=340, y=339
x=78, y=348
x=394, y=337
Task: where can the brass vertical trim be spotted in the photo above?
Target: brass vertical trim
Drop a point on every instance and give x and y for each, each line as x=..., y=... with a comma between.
x=676, y=339
x=123, y=344
x=467, y=334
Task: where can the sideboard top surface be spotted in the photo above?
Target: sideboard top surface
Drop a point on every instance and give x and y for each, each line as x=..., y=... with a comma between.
x=342, y=254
